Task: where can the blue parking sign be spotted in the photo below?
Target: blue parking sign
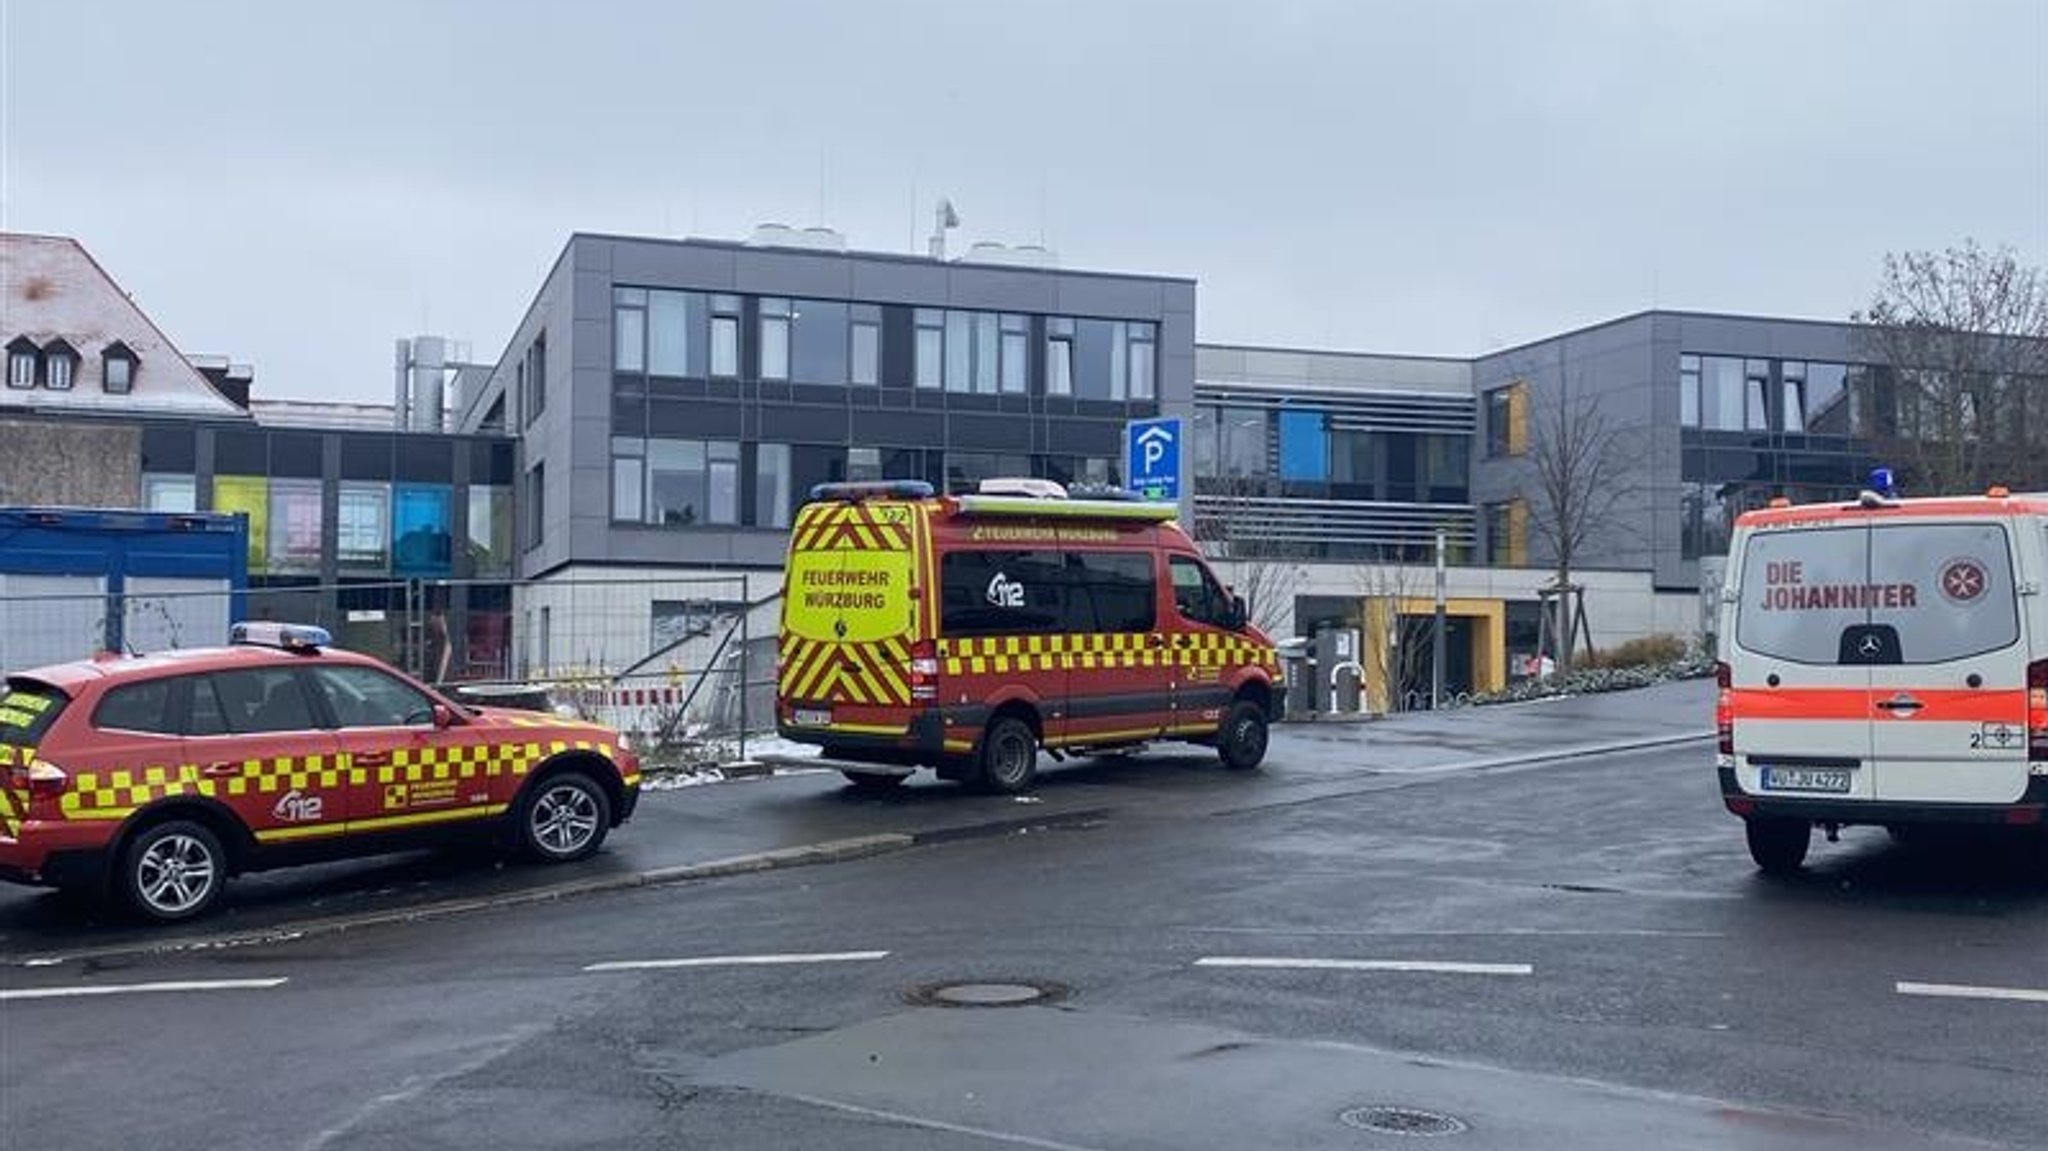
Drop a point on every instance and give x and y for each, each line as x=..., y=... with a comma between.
x=1152, y=458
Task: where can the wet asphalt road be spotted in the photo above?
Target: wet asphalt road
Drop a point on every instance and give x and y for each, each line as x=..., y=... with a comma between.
x=1630, y=983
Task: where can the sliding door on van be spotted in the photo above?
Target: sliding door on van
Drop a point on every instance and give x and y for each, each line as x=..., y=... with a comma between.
x=1949, y=698
x=1800, y=661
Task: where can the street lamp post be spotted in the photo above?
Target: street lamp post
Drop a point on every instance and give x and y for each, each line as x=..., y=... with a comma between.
x=1436, y=661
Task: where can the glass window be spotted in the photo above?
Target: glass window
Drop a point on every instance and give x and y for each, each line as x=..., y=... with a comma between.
x=537, y=376
x=1500, y=421
x=362, y=531
x=166, y=493
x=725, y=336
x=365, y=697
x=119, y=373
x=959, y=351
x=1756, y=383
x=771, y=485
x=21, y=369
x=1689, y=391
x=249, y=495
x=1196, y=594
x=60, y=372
x=668, y=334
x=1792, y=376
x=1111, y=592
x=629, y=332
x=1721, y=399
x=490, y=528
x=263, y=699
x=1243, y=442
x=295, y=525
x=1204, y=436
x=723, y=478
x=536, y=505
x=141, y=706
x=1016, y=341
x=204, y=714
x=1059, y=356
x=818, y=342
x=1304, y=446
x=985, y=351
x=1001, y=593
x=1144, y=347
x=629, y=484
x=421, y=531
x=931, y=348
x=774, y=338
x=867, y=353
x=1097, y=355
x=864, y=464
x=1828, y=399
x=675, y=482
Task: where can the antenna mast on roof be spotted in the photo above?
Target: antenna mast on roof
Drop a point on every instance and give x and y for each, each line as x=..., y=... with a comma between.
x=944, y=217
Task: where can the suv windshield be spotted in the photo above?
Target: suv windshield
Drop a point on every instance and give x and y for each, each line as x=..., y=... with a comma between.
x=1944, y=590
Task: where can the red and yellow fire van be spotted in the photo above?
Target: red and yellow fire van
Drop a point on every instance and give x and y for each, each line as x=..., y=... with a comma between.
x=967, y=632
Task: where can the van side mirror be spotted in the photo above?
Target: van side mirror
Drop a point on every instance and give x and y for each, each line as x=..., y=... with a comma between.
x=1239, y=614
x=444, y=716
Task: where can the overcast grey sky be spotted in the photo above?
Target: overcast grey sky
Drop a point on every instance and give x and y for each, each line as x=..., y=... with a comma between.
x=297, y=186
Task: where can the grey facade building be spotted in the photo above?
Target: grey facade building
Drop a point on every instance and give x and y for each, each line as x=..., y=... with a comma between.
x=675, y=399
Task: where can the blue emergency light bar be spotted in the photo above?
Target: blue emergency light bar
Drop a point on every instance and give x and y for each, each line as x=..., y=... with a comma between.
x=872, y=490
x=298, y=637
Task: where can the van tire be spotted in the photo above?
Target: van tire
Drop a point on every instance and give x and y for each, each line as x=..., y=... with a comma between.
x=1009, y=756
x=1778, y=845
x=1241, y=741
x=173, y=871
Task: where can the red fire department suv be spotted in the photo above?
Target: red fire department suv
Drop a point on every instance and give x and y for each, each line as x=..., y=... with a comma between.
x=160, y=776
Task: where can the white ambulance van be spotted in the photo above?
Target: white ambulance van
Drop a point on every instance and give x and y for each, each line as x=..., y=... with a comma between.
x=1884, y=662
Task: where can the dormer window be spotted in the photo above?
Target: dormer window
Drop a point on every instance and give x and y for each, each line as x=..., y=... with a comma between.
x=23, y=361
x=60, y=365
x=117, y=365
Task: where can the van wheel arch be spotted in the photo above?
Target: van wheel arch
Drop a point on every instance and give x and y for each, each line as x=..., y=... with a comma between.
x=600, y=769
x=211, y=814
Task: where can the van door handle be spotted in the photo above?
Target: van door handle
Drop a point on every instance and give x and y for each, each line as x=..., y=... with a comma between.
x=1901, y=703
x=370, y=759
x=224, y=767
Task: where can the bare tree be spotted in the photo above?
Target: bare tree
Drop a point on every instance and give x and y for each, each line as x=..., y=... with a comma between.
x=1233, y=526
x=1964, y=336
x=1397, y=645
x=1581, y=469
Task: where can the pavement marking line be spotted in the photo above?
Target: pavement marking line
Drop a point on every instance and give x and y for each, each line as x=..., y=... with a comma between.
x=1423, y=966
x=15, y=993
x=989, y=1134
x=1965, y=991
x=736, y=961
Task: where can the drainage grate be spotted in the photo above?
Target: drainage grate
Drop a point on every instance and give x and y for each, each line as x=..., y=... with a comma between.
x=1384, y=1120
x=983, y=993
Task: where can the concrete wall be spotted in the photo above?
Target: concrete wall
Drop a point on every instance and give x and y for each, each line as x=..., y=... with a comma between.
x=96, y=465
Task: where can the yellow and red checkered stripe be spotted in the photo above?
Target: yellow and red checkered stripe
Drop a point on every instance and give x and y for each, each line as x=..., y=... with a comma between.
x=828, y=527
x=873, y=674
x=1093, y=651
x=13, y=801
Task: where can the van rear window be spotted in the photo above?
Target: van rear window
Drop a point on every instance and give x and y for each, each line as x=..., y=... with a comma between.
x=1944, y=590
x=27, y=709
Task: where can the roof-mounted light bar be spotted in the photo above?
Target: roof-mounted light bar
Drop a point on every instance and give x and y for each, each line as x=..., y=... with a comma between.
x=872, y=490
x=1067, y=509
x=296, y=637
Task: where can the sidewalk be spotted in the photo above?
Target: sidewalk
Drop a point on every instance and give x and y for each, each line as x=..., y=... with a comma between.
x=806, y=816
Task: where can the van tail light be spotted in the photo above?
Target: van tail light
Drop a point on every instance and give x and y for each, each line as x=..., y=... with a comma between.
x=1724, y=707
x=924, y=671
x=2037, y=709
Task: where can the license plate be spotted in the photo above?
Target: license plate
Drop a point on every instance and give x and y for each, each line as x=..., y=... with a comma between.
x=812, y=717
x=1806, y=779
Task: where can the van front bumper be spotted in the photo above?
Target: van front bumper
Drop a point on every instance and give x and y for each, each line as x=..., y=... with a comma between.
x=2031, y=810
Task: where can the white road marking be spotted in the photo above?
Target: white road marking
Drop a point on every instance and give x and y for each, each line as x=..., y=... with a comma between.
x=987, y=1133
x=139, y=988
x=1426, y=966
x=736, y=961
x=1964, y=991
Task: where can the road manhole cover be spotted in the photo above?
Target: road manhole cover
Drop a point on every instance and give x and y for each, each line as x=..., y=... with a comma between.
x=1384, y=1120
x=985, y=993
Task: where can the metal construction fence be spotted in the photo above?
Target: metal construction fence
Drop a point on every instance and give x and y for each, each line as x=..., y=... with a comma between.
x=672, y=660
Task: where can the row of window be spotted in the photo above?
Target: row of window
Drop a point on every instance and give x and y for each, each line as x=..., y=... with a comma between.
x=1730, y=393
x=406, y=529
x=1039, y=592
x=54, y=365
x=1312, y=458
x=697, y=335
x=258, y=700
x=723, y=483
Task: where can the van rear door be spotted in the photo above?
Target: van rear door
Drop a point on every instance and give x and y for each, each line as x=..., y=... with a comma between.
x=1800, y=684
x=848, y=619
x=1949, y=708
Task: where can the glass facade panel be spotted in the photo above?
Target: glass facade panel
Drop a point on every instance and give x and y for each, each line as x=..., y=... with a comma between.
x=1721, y=400
x=629, y=332
x=1689, y=391
x=1016, y=342
x=629, y=483
x=985, y=349
x=674, y=321
x=1059, y=356
x=1828, y=399
x=819, y=342
x=1242, y=438
x=771, y=485
x=675, y=481
x=774, y=338
x=959, y=351
x=249, y=495
x=1204, y=436
x=490, y=528
x=295, y=525
x=930, y=371
x=1304, y=446
x=362, y=530
x=722, y=479
x=422, y=531
x=1144, y=356
x=867, y=354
